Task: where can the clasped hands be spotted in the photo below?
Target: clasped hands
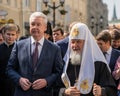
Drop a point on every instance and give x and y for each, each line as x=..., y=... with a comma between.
x=26, y=84
x=73, y=91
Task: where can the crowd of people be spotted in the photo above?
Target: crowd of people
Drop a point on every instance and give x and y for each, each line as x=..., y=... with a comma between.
x=50, y=63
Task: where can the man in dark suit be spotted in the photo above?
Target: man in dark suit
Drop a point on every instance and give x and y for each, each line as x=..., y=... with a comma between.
x=104, y=42
x=111, y=55
x=35, y=63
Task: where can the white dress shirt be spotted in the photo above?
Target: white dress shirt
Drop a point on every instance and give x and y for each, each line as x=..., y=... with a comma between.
x=108, y=55
x=41, y=41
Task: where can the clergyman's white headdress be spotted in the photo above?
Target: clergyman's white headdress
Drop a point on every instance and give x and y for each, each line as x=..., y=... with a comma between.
x=91, y=53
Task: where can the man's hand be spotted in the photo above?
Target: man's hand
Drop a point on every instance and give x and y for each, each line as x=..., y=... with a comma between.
x=117, y=75
x=72, y=91
x=38, y=84
x=24, y=83
x=96, y=90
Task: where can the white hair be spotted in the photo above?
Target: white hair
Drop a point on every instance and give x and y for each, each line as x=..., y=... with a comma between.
x=38, y=14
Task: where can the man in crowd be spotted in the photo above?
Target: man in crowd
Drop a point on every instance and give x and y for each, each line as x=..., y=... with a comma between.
x=115, y=34
x=58, y=34
x=35, y=63
x=104, y=41
x=85, y=72
x=10, y=32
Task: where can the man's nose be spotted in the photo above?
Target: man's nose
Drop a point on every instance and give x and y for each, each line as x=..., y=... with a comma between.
x=75, y=44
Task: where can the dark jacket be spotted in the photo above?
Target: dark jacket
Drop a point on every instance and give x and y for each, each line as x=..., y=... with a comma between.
x=49, y=66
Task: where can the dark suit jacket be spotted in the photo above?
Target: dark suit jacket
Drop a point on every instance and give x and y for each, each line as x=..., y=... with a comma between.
x=6, y=86
x=114, y=56
x=49, y=66
x=63, y=45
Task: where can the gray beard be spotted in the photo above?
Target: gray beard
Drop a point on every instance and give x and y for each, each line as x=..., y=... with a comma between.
x=75, y=58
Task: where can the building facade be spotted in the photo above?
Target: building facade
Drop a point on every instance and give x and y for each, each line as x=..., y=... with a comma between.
x=77, y=10
x=97, y=16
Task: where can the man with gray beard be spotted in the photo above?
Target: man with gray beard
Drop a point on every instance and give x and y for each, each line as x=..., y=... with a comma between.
x=86, y=72
x=75, y=58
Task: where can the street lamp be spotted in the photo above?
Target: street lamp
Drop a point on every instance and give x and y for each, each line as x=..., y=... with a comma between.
x=96, y=23
x=54, y=7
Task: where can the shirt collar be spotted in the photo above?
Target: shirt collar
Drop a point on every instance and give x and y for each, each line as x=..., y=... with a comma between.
x=41, y=41
x=8, y=45
x=109, y=51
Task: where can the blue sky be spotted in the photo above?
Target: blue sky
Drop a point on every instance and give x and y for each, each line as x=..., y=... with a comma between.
x=110, y=4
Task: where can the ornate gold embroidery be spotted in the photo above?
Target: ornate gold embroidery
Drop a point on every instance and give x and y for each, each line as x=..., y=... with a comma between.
x=75, y=32
x=84, y=85
x=66, y=83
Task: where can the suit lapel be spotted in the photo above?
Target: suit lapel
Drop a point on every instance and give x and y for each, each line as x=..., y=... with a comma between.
x=28, y=50
x=113, y=59
x=42, y=54
x=113, y=56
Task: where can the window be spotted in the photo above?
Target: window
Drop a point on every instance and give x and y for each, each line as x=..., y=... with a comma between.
x=39, y=5
x=8, y=2
x=26, y=3
x=15, y=3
